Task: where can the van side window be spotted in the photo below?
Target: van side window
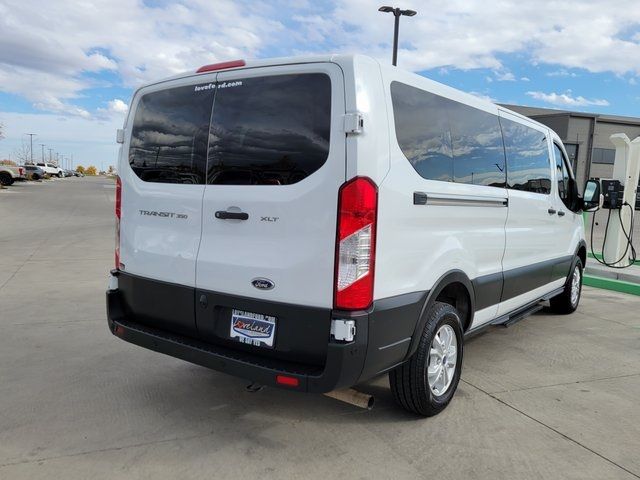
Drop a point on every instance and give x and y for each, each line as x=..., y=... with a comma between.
x=270, y=130
x=422, y=130
x=447, y=140
x=169, y=135
x=528, y=167
x=478, y=152
x=562, y=175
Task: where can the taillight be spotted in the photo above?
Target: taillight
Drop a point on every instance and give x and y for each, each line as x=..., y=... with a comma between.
x=355, y=245
x=118, y=214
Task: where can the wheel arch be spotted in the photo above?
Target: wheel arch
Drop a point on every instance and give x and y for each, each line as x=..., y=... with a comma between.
x=581, y=252
x=455, y=288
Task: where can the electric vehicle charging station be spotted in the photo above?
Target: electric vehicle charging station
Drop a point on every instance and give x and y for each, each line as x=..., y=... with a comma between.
x=620, y=193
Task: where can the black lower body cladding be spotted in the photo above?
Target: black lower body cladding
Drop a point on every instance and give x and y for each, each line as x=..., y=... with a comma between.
x=194, y=325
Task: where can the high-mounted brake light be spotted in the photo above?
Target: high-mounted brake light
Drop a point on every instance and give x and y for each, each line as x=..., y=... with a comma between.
x=118, y=211
x=355, y=245
x=221, y=66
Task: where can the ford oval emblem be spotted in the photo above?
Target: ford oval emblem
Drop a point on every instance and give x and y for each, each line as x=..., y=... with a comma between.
x=263, y=283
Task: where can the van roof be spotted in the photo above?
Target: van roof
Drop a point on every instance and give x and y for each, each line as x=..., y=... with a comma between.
x=268, y=62
x=344, y=59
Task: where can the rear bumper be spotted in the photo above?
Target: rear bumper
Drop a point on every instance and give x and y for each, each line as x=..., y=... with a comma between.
x=382, y=340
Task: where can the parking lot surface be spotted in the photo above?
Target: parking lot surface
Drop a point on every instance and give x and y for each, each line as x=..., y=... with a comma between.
x=551, y=397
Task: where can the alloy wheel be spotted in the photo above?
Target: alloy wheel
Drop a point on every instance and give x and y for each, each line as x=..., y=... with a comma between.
x=443, y=357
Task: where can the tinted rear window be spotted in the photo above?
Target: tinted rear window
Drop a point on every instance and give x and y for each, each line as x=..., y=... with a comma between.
x=422, y=130
x=447, y=140
x=269, y=130
x=170, y=133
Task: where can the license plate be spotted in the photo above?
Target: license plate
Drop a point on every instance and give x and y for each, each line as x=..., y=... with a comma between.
x=253, y=328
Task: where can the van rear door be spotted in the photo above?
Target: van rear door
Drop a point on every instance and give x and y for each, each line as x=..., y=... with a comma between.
x=275, y=163
x=162, y=169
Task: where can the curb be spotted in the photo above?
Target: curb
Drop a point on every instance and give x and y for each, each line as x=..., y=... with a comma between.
x=610, y=284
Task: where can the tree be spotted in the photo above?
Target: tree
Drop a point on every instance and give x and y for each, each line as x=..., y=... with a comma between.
x=8, y=162
x=91, y=170
x=1, y=130
x=80, y=169
x=22, y=154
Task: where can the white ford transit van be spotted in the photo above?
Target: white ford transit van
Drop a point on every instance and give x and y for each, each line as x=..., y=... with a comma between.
x=311, y=223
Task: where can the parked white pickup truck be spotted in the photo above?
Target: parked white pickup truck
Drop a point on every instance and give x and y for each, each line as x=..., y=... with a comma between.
x=51, y=169
x=9, y=174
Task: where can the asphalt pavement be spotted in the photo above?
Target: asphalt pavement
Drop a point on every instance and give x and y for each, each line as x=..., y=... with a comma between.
x=552, y=397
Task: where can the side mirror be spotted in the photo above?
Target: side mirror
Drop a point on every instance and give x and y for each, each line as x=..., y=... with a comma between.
x=591, y=199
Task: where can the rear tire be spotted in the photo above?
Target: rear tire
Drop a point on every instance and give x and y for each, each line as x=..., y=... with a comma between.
x=60, y=174
x=6, y=179
x=425, y=384
x=567, y=302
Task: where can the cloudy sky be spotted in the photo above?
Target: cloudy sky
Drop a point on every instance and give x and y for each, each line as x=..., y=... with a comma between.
x=68, y=68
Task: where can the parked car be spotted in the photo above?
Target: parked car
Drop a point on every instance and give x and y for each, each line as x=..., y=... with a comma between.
x=34, y=172
x=51, y=169
x=10, y=173
x=348, y=219
x=78, y=174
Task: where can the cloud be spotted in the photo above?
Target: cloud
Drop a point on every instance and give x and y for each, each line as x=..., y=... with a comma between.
x=115, y=109
x=567, y=100
x=483, y=96
x=51, y=56
x=468, y=34
x=117, y=106
x=505, y=76
x=561, y=73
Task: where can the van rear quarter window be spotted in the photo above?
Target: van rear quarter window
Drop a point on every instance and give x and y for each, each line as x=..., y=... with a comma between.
x=270, y=130
x=422, y=131
x=528, y=162
x=447, y=140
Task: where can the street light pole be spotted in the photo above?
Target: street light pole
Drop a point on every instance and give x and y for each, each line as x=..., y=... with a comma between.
x=396, y=27
x=42, y=145
x=397, y=13
x=31, y=135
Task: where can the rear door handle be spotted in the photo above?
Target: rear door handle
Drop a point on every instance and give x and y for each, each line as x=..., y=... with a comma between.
x=224, y=215
x=551, y=211
x=561, y=213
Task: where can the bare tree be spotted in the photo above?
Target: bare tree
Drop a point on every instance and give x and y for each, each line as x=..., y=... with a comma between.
x=22, y=154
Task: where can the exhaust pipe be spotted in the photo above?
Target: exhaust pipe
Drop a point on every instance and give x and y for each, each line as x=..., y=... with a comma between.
x=353, y=397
